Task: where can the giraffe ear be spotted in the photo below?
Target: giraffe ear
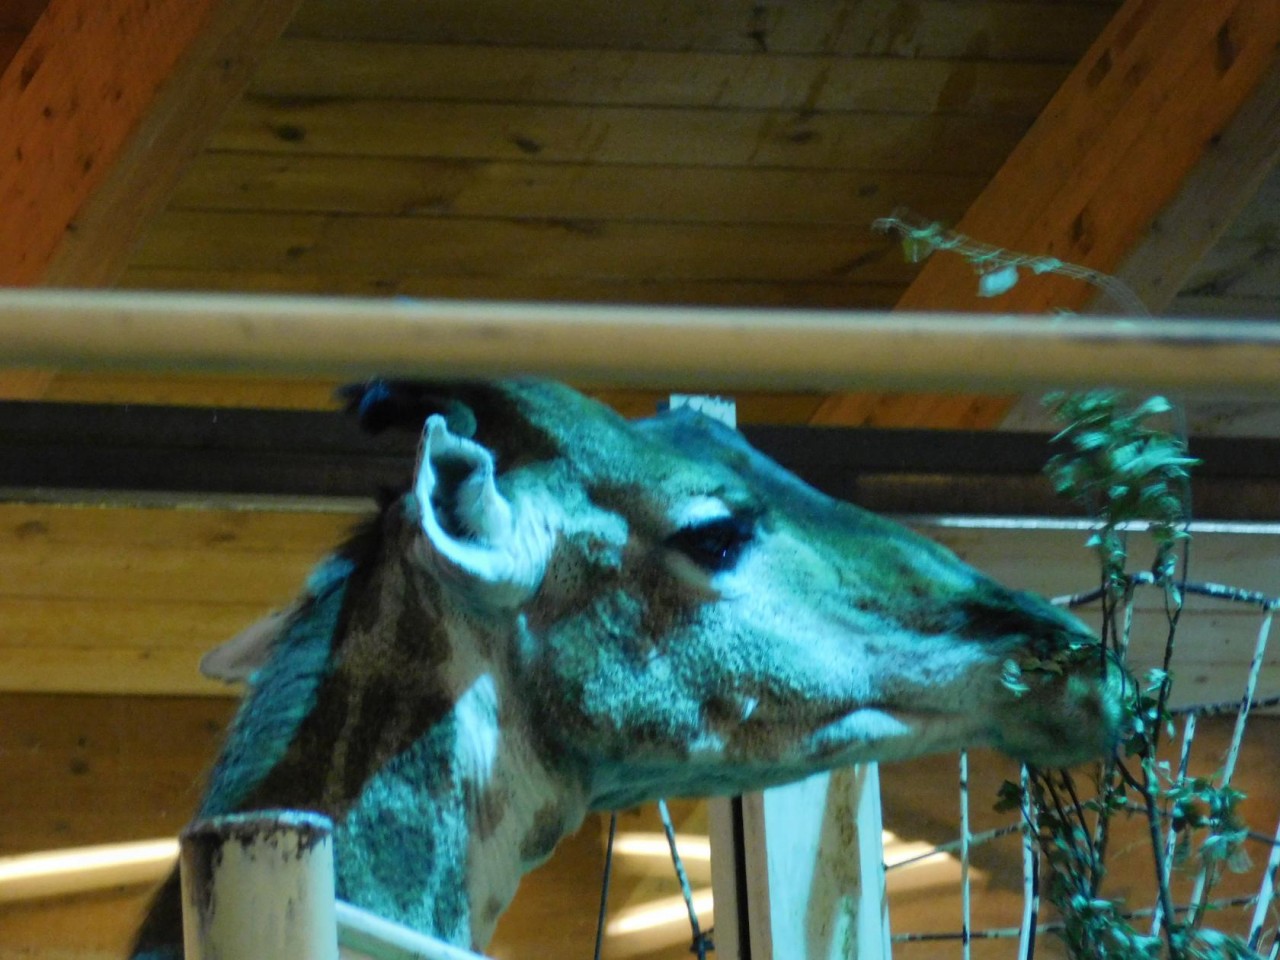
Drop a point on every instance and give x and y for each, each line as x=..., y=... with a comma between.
x=500, y=548
x=238, y=659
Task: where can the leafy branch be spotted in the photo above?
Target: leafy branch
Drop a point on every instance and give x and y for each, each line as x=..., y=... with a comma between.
x=1128, y=468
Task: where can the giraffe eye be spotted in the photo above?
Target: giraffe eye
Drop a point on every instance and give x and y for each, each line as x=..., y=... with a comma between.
x=715, y=545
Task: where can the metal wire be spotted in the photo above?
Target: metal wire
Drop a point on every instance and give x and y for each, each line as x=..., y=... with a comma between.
x=701, y=942
x=604, y=884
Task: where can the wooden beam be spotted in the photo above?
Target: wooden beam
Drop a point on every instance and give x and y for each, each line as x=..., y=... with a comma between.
x=70, y=100
x=17, y=17
x=106, y=102
x=204, y=78
x=1212, y=197
x=1108, y=154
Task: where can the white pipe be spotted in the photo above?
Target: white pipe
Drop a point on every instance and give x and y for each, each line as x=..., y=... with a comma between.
x=669, y=346
x=259, y=885
x=370, y=935
x=74, y=870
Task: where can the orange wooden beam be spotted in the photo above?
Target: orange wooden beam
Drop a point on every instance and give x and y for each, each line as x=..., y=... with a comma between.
x=17, y=17
x=210, y=76
x=101, y=108
x=70, y=99
x=1110, y=151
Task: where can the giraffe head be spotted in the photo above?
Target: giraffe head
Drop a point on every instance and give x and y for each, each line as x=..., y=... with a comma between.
x=676, y=614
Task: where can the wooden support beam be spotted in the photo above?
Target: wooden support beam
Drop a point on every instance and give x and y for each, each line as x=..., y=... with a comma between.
x=1212, y=197
x=17, y=17
x=206, y=77
x=1109, y=153
x=70, y=100
x=103, y=104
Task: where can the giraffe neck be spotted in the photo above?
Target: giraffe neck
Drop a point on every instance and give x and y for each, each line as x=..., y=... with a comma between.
x=402, y=731
x=439, y=837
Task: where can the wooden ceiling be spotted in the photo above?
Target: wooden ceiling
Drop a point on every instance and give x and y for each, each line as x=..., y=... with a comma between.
x=680, y=152
x=669, y=152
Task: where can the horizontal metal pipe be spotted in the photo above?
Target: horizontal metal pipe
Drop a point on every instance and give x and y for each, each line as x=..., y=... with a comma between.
x=373, y=936
x=657, y=347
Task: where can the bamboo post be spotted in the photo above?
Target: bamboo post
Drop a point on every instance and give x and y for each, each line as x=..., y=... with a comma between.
x=259, y=885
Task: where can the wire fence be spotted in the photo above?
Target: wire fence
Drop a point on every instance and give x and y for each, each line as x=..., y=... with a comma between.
x=1246, y=907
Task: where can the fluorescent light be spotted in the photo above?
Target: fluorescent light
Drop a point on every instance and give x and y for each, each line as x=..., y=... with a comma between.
x=691, y=846
x=80, y=869
x=661, y=913
x=1256, y=528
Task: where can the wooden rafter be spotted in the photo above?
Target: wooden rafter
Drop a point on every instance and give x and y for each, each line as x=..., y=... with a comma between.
x=70, y=100
x=1110, y=152
x=206, y=79
x=101, y=107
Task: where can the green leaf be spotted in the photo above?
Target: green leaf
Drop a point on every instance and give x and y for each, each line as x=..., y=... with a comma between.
x=995, y=282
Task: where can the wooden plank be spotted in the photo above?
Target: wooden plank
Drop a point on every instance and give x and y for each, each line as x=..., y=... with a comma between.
x=97, y=926
x=693, y=137
x=70, y=100
x=422, y=186
x=998, y=30
x=814, y=866
x=84, y=769
x=96, y=669
x=261, y=393
x=21, y=15
x=1209, y=205
x=602, y=290
x=309, y=68
x=114, y=627
x=17, y=17
x=1132, y=121
x=265, y=393
x=1210, y=304
x=24, y=384
x=26, y=525
x=555, y=249
x=1239, y=266
x=127, y=600
x=211, y=72
x=156, y=575
x=10, y=43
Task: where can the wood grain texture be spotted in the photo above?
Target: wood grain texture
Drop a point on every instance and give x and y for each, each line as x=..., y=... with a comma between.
x=128, y=600
x=190, y=391
x=10, y=43
x=531, y=189
x=999, y=30
x=71, y=98
x=21, y=15
x=84, y=770
x=851, y=294
x=311, y=68
x=632, y=135
x=1107, y=155
x=1233, y=191
x=207, y=69
x=1245, y=264
x=334, y=246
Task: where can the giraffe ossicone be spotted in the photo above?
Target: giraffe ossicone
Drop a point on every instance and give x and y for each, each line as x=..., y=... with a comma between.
x=564, y=612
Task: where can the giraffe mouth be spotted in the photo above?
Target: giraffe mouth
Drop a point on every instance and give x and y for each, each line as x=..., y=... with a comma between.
x=874, y=728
